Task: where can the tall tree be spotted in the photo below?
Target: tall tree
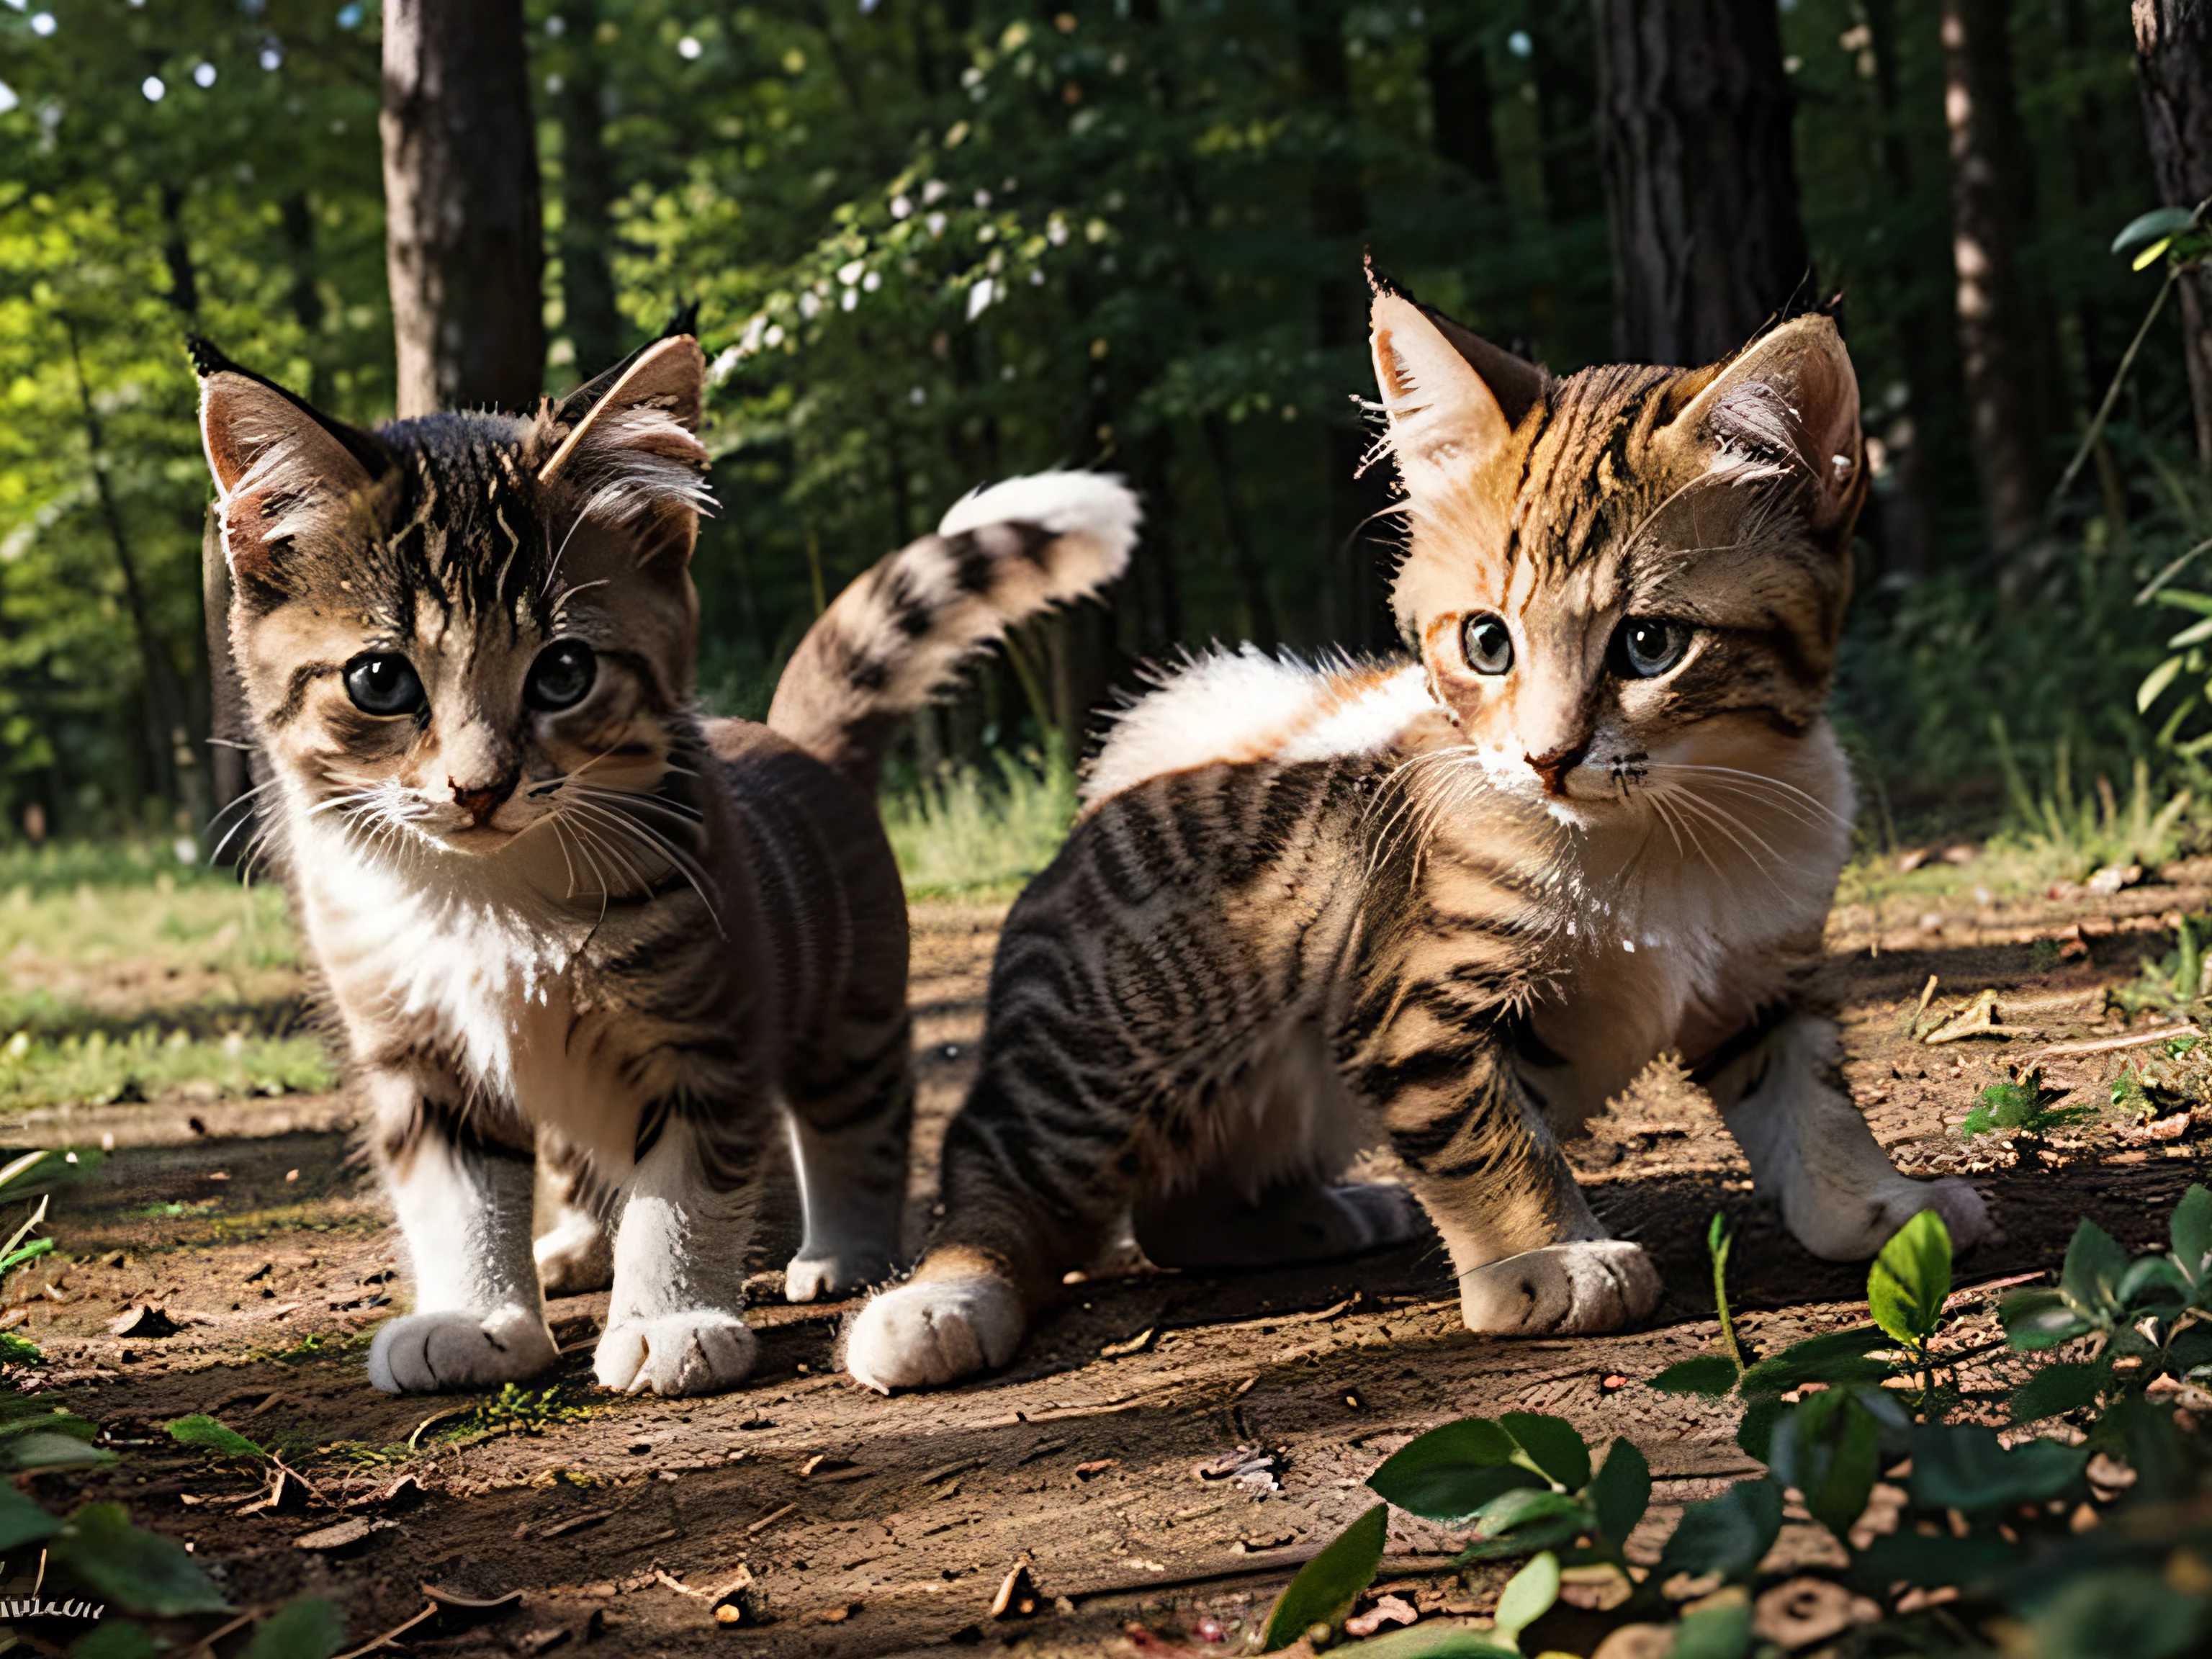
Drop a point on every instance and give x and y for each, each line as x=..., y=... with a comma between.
x=589, y=185
x=463, y=233
x=1996, y=346
x=1695, y=119
x=2173, y=58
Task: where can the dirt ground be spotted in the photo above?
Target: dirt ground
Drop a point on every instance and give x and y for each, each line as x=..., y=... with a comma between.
x=1102, y=1460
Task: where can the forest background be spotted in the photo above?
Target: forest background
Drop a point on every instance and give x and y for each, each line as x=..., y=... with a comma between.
x=937, y=241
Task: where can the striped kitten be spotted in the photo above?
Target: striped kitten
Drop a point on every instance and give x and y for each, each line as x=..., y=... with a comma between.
x=555, y=910
x=1462, y=901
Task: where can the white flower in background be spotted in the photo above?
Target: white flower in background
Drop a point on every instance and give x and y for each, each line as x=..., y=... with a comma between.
x=272, y=57
x=809, y=306
x=775, y=335
x=850, y=272
x=934, y=224
x=931, y=191
x=688, y=47
x=43, y=24
x=154, y=87
x=204, y=76
x=901, y=207
x=7, y=99
x=872, y=282
x=1056, y=231
x=979, y=298
x=983, y=199
x=849, y=299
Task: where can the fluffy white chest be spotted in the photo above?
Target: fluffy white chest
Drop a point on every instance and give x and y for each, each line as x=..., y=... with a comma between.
x=460, y=963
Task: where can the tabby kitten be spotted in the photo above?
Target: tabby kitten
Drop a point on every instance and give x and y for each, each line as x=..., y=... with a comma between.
x=555, y=909
x=1463, y=899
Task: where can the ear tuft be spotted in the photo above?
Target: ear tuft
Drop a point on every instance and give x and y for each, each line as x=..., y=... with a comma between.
x=634, y=454
x=1787, y=404
x=1445, y=422
x=283, y=473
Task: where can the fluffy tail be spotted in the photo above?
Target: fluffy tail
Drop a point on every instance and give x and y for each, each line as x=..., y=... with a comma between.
x=898, y=635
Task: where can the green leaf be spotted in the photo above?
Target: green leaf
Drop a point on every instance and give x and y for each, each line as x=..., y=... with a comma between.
x=2196, y=633
x=2156, y=682
x=1829, y=1447
x=1837, y=1359
x=117, y=1639
x=1553, y=1444
x=45, y=1449
x=1755, y=1433
x=1621, y=1491
x=2060, y=1388
x=22, y=1521
x=1527, y=1541
x=1449, y=1473
x=2151, y=254
x=210, y=1435
x=2190, y=1226
x=300, y=1629
x=1526, y=1507
x=1910, y=1278
x=44, y=1419
x=18, y=1350
x=1712, y=1375
x=1527, y=1598
x=1328, y=1585
x=1722, y=1632
x=1966, y=1468
x=2154, y=1284
x=2124, y=1610
x=1729, y=1535
x=2094, y=1267
x=1910, y=1558
x=138, y=1571
x=2034, y=1320
x=1433, y=1640
x=2158, y=223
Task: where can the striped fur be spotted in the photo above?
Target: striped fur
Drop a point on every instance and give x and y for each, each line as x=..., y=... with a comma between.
x=612, y=934
x=1455, y=901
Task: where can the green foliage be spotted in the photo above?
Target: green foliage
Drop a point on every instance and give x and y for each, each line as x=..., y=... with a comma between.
x=521, y=1411
x=305, y=1629
x=960, y=832
x=139, y=1571
x=209, y=1434
x=1991, y=1522
x=2023, y=1108
x=1327, y=1586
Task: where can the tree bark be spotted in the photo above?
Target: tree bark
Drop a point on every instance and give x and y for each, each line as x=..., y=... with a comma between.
x=2173, y=61
x=1995, y=342
x=1694, y=113
x=588, y=188
x=464, y=236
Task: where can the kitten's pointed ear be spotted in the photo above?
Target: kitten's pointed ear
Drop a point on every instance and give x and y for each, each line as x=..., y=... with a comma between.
x=633, y=454
x=1446, y=420
x=281, y=471
x=1788, y=403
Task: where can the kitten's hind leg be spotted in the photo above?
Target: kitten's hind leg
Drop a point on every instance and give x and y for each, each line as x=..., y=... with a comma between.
x=576, y=1254
x=674, y=1323
x=852, y=1163
x=1783, y=1099
x=463, y=1207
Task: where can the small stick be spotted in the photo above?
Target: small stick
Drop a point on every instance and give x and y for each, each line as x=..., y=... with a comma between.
x=2106, y=1045
x=386, y=1639
x=1927, y=992
x=769, y=1519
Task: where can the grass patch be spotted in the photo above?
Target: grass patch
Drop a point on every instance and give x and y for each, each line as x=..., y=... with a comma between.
x=971, y=832
x=150, y=1063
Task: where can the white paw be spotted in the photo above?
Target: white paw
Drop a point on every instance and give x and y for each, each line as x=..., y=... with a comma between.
x=459, y=1351
x=825, y=1278
x=576, y=1257
x=1565, y=1290
x=923, y=1335
x=699, y=1350
x=1852, y=1230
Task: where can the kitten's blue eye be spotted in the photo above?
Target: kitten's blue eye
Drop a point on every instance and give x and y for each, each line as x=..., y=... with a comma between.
x=383, y=683
x=561, y=676
x=1488, y=645
x=1649, y=646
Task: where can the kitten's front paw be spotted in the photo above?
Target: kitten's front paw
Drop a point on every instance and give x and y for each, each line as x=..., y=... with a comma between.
x=576, y=1257
x=1562, y=1290
x=928, y=1333
x=826, y=1278
x=699, y=1351
x=1851, y=1229
x=437, y=1352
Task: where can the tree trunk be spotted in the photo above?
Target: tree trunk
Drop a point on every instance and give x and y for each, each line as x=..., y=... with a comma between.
x=2173, y=60
x=1694, y=112
x=1356, y=615
x=1906, y=540
x=1995, y=342
x=463, y=239
x=588, y=189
